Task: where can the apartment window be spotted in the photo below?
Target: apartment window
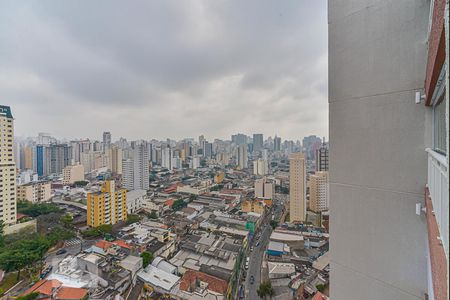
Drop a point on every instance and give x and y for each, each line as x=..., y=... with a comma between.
x=439, y=126
x=439, y=103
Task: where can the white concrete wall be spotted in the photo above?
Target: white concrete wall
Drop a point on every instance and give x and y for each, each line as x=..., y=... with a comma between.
x=377, y=59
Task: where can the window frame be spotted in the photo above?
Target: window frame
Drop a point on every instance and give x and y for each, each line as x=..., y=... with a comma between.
x=439, y=98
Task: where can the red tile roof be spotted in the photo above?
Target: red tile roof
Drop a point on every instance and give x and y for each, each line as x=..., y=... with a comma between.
x=214, y=284
x=122, y=244
x=103, y=244
x=45, y=287
x=169, y=202
x=319, y=296
x=20, y=216
x=70, y=293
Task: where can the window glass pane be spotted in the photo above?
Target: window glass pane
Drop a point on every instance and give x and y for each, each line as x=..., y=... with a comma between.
x=440, y=132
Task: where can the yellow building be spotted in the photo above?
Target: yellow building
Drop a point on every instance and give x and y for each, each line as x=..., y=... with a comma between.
x=108, y=206
x=7, y=168
x=318, y=192
x=256, y=206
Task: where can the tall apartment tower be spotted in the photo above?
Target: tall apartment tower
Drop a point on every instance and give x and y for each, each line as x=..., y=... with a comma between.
x=107, y=206
x=136, y=171
x=115, y=157
x=166, y=158
x=60, y=157
x=106, y=141
x=242, y=156
x=297, y=187
x=264, y=189
x=388, y=116
x=28, y=158
x=7, y=167
x=260, y=167
x=277, y=144
x=319, y=192
x=258, y=141
x=322, y=159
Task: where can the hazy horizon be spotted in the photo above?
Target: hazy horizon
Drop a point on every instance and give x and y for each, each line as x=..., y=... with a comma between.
x=165, y=69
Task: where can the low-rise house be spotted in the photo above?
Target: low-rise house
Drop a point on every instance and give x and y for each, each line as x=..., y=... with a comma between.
x=132, y=264
x=135, y=200
x=54, y=289
x=195, y=284
x=162, y=281
x=280, y=270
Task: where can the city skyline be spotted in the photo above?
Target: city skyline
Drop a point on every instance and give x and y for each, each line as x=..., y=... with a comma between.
x=218, y=70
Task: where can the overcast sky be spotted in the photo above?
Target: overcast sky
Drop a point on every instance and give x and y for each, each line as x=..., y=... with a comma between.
x=158, y=69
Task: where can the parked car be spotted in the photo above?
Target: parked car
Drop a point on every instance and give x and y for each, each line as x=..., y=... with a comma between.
x=252, y=279
x=45, y=272
x=61, y=251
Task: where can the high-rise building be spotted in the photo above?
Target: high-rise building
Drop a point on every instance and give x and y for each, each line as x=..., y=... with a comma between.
x=79, y=147
x=93, y=160
x=42, y=160
x=195, y=163
x=319, y=192
x=258, y=141
x=260, y=167
x=166, y=158
x=27, y=176
x=106, y=141
x=322, y=159
x=277, y=143
x=207, y=149
x=136, y=172
x=115, y=158
x=17, y=149
x=389, y=149
x=60, y=157
x=239, y=139
x=73, y=173
x=7, y=167
x=297, y=187
x=45, y=139
x=107, y=206
x=242, y=156
x=28, y=158
x=264, y=189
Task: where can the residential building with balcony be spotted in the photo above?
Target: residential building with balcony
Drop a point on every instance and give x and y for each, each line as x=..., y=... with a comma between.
x=35, y=192
x=107, y=206
x=388, y=118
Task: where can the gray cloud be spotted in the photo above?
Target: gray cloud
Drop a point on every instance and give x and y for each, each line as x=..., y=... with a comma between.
x=145, y=69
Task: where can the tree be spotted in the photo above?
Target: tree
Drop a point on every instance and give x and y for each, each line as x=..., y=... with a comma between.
x=265, y=289
x=81, y=183
x=98, y=231
x=30, y=296
x=147, y=258
x=36, y=209
x=320, y=287
x=67, y=220
x=273, y=223
x=178, y=204
x=131, y=218
x=153, y=215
